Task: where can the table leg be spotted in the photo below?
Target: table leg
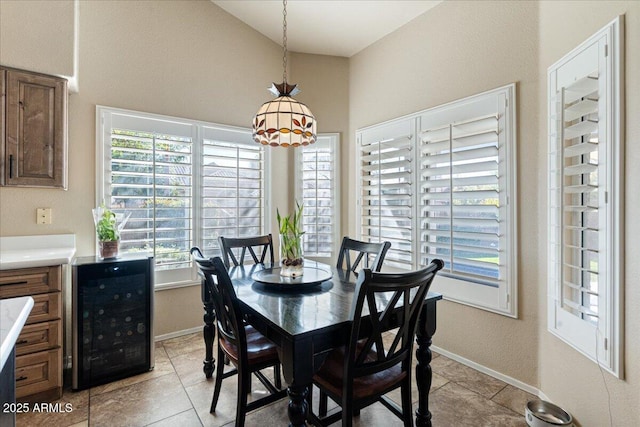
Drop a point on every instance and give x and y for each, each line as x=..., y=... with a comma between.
x=426, y=329
x=208, y=332
x=298, y=407
x=297, y=369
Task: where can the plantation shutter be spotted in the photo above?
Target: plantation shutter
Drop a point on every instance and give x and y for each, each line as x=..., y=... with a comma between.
x=150, y=176
x=386, y=164
x=233, y=195
x=586, y=219
x=440, y=183
x=578, y=186
x=319, y=195
x=461, y=208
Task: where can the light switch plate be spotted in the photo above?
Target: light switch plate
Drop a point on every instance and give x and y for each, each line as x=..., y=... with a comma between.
x=43, y=216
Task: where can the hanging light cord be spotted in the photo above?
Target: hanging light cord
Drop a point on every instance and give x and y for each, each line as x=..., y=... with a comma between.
x=284, y=41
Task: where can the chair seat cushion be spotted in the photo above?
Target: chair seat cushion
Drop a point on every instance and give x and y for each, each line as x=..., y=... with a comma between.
x=259, y=349
x=330, y=376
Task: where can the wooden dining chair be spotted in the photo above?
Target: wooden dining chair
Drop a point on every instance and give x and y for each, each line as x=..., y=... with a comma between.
x=247, y=349
x=229, y=247
x=375, y=362
x=370, y=254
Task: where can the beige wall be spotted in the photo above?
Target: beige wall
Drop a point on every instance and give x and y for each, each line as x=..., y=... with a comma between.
x=453, y=51
x=324, y=82
x=27, y=25
x=465, y=47
x=180, y=58
x=566, y=376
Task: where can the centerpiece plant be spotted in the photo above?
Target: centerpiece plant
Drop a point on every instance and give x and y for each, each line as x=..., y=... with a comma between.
x=290, y=229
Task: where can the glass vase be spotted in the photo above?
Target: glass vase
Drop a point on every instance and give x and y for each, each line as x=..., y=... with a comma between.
x=291, y=255
x=109, y=249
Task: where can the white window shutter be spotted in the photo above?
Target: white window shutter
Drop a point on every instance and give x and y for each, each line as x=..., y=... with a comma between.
x=184, y=182
x=585, y=218
x=151, y=178
x=233, y=195
x=317, y=189
x=387, y=188
x=467, y=189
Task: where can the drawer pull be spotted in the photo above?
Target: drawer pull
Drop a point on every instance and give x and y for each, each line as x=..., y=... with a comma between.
x=21, y=378
x=22, y=342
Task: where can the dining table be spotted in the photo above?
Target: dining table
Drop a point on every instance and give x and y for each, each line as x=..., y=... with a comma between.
x=306, y=317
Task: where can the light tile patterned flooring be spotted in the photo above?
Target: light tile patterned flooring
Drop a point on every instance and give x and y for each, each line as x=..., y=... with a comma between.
x=176, y=394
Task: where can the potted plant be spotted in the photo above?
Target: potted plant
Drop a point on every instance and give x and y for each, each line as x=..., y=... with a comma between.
x=291, y=254
x=108, y=227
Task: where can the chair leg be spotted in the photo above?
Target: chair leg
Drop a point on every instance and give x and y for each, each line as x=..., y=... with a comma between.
x=322, y=404
x=310, y=398
x=277, y=381
x=218, y=386
x=244, y=378
x=347, y=412
x=406, y=403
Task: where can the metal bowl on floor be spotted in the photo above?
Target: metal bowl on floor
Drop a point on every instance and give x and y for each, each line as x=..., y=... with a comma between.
x=539, y=413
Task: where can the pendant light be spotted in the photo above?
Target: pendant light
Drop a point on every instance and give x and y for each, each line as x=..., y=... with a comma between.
x=284, y=122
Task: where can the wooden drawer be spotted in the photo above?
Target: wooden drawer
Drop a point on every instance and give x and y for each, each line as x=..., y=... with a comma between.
x=46, y=307
x=39, y=337
x=38, y=372
x=30, y=281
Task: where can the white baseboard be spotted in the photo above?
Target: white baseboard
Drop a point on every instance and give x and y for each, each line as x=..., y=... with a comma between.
x=495, y=374
x=177, y=333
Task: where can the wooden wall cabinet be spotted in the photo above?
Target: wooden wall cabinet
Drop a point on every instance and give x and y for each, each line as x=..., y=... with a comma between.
x=34, y=129
x=39, y=347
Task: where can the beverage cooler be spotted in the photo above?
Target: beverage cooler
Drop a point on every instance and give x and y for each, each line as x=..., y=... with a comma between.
x=112, y=319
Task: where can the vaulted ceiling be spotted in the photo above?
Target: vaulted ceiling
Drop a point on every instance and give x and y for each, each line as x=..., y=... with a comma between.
x=327, y=27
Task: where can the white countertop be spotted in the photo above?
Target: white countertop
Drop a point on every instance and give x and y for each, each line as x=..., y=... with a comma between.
x=13, y=315
x=36, y=251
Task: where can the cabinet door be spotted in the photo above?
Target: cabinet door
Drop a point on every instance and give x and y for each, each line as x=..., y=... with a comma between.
x=36, y=140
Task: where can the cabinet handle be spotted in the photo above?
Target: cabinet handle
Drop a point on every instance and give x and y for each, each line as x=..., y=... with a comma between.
x=11, y=166
x=22, y=342
x=21, y=378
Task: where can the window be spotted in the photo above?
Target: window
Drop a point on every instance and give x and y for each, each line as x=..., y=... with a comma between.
x=233, y=202
x=387, y=190
x=467, y=203
x=317, y=171
x=440, y=183
x=585, y=221
x=183, y=182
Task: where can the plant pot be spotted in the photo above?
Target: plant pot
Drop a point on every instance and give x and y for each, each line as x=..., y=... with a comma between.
x=291, y=255
x=109, y=249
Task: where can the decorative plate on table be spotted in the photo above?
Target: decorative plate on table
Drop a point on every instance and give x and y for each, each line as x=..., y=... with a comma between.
x=271, y=278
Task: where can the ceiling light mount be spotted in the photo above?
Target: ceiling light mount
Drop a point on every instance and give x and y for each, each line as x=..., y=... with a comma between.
x=284, y=121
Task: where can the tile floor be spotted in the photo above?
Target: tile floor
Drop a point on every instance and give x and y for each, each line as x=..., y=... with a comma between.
x=176, y=394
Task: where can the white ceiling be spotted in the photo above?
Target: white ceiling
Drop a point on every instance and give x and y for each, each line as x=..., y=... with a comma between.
x=327, y=27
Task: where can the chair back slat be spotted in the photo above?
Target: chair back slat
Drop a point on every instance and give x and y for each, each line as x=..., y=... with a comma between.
x=371, y=255
x=380, y=297
x=229, y=248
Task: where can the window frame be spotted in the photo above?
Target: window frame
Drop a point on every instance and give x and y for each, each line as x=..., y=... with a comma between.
x=602, y=341
x=167, y=279
x=332, y=140
x=503, y=298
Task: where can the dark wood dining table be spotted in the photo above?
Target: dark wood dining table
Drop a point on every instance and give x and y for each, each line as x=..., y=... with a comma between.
x=306, y=323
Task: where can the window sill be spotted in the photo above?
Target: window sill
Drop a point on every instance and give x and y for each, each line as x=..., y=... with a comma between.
x=176, y=285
